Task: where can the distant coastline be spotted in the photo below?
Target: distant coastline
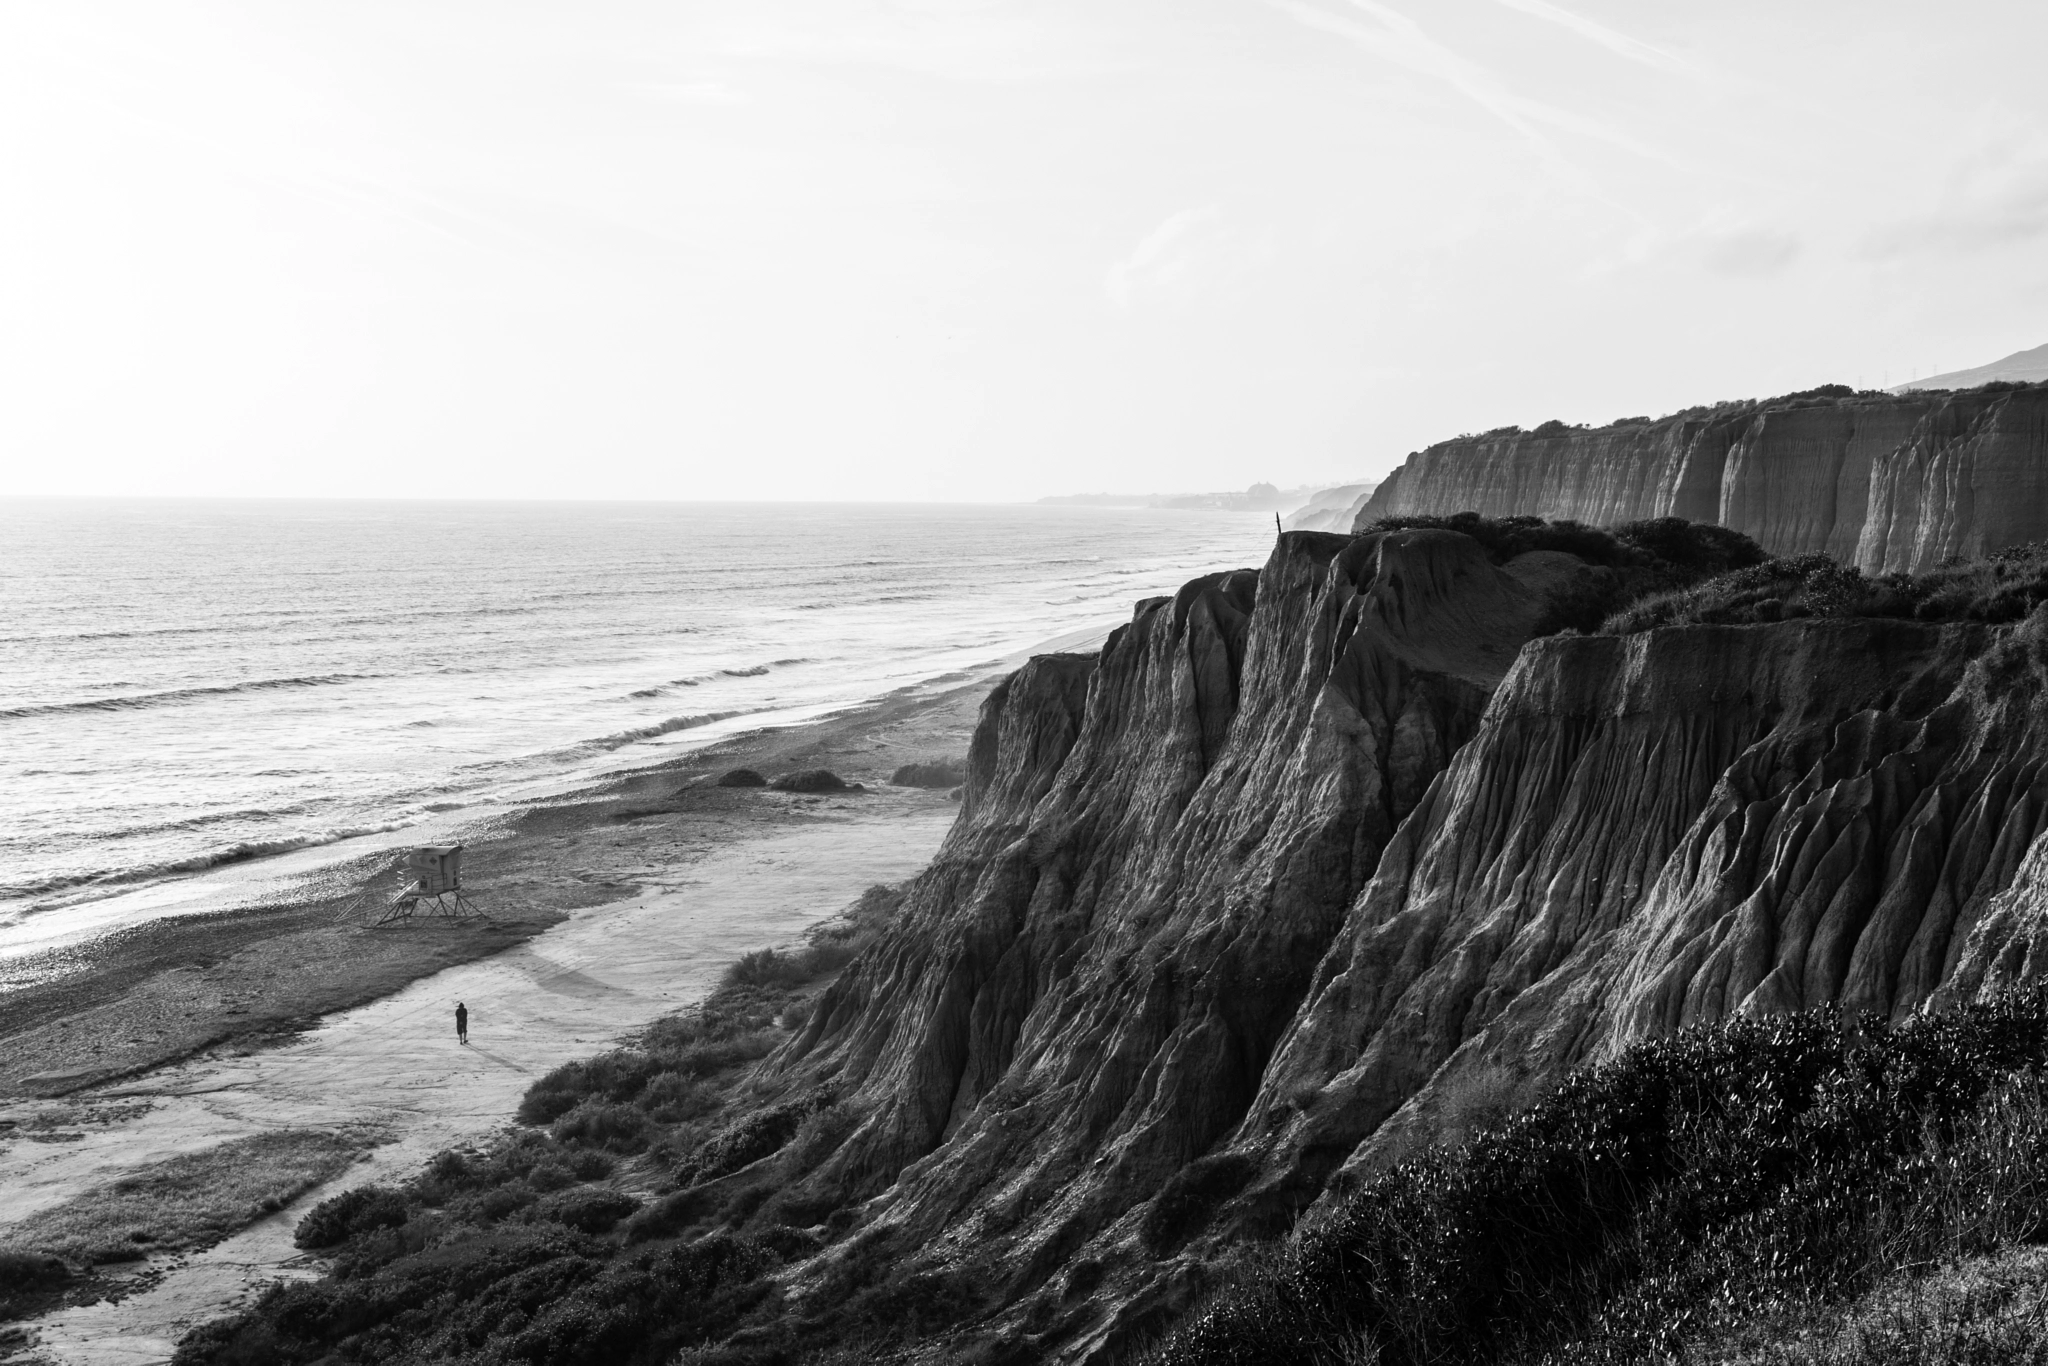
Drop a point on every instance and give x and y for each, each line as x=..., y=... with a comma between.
x=1258, y=498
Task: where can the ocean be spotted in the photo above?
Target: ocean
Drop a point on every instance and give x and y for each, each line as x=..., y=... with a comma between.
x=195, y=695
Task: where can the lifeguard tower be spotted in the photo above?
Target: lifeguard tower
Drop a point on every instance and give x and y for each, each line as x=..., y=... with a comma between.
x=434, y=888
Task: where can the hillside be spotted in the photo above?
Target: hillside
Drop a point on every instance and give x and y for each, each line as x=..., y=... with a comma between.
x=2021, y=367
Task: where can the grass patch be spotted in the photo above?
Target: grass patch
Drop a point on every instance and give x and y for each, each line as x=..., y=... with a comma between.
x=191, y=1201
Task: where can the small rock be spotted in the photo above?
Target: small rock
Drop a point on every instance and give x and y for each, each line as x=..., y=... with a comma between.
x=743, y=777
x=931, y=773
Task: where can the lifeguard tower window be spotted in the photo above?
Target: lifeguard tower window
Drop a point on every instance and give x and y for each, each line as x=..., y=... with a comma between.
x=433, y=887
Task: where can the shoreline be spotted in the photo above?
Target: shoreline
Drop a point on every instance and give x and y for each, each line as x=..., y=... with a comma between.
x=147, y=995
x=654, y=878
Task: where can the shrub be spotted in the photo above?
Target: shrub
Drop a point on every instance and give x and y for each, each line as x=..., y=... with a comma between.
x=20, y=1271
x=2003, y=587
x=592, y=1211
x=614, y=1076
x=673, y=1097
x=590, y=1165
x=603, y=1124
x=767, y=968
x=1625, y=563
x=1691, y=1181
x=668, y=1216
x=337, y=1219
x=503, y=1201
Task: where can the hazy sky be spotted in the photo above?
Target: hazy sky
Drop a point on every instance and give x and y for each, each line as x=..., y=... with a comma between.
x=973, y=248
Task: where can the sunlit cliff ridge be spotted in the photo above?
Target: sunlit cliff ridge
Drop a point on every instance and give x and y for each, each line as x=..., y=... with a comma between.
x=1882, y=481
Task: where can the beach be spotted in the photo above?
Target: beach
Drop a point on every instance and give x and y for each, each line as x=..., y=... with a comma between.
x=609, y=906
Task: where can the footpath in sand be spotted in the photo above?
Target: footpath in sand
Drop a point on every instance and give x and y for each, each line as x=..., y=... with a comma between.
x=392, y=1068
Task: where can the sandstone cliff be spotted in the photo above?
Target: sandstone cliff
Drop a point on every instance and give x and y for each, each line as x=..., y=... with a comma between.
x=1307, y=857
x=1886, y=482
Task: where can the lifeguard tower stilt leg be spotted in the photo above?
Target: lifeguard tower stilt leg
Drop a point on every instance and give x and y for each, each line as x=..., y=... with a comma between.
x=436, y=888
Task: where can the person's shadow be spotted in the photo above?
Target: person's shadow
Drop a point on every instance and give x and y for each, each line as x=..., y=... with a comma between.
x=497, y=1060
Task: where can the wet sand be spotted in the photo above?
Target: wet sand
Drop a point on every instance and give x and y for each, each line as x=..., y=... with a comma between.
x=616, y=906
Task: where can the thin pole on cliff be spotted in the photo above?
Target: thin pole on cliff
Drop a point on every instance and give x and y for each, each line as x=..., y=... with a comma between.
x=1276, y=524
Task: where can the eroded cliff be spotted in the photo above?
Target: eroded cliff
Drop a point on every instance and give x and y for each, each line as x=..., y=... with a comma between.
x=1263, y=895
x=1887, y=482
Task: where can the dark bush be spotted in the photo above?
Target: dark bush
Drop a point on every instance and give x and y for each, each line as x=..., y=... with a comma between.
x=767, y=968
x=742, y=777
x=590, y=1165
x=501, y=1202
x=338, y=1218
x=603, y=1124
x=2003, y=587
x=613, y=1076
x=592, y=1211
x=1625, y=563
x=22, y=1271
x=1503, y=538
x=813, y=780
x=1707, y=1174
x=673, y=1097
x=669, y=1215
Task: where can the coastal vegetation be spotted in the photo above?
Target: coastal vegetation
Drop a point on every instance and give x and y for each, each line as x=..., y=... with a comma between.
x=1804, y=1189
x=1656, y=557
x=594, y=1232
x=185, y=1202
x=2004, y=586
x=1721, y=1187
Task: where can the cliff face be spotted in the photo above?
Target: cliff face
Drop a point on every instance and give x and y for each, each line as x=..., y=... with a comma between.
x=1888, y=483
x=1308, y=857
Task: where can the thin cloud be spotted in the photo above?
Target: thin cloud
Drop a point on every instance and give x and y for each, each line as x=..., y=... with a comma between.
x=1164, y=258
x=1399, y=39
x=1620, y=44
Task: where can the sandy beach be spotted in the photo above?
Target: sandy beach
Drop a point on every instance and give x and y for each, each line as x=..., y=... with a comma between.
x=611, y=907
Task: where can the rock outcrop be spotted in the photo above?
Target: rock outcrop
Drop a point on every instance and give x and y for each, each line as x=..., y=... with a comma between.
x=1885, y=482
x=1310, y=856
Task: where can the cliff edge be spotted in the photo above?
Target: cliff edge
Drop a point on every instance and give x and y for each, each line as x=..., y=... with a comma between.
x=1885, y=482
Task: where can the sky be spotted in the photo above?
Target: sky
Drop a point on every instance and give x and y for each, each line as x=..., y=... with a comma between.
x=973, y=249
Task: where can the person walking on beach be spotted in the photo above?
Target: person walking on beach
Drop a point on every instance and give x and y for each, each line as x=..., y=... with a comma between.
x=461, y=1023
